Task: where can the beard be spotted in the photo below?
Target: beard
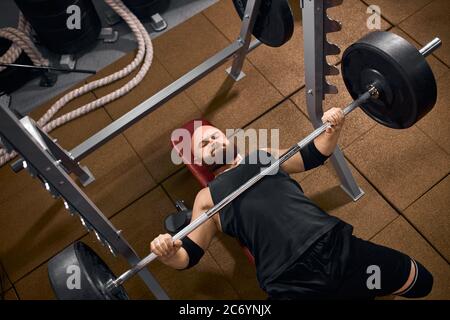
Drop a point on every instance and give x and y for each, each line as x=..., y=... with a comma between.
x=223, y=154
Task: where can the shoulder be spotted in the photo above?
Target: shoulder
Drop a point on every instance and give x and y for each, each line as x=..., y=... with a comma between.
x=203, y=199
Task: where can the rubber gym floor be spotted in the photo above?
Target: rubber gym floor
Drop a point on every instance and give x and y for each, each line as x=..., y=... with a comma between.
x=405, y=174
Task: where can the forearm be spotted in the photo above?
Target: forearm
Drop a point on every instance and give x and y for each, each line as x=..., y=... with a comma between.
x=326, y=143
x=178, y=261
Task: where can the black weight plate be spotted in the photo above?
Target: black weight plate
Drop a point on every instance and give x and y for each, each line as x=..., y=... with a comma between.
x=137, y=3
x=144, y=9
x=82, y=44
x=405, y=80
x=54, y=21
x=44, y=8
x=94, y=275
x=73, y=41
x=61, y=33
x=52, y=26
x=11, y=78
x=274, y=23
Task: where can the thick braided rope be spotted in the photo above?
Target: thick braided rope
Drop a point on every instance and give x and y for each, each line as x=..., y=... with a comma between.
x=13, y=53
x=123, y=11
x=145, y=47
x=128, y=17
x=22, y=40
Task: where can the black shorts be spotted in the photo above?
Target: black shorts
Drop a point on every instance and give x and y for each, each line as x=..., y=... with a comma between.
x=342, y=266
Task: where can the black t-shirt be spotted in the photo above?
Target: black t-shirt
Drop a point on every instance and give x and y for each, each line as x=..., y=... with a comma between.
x=273, y=218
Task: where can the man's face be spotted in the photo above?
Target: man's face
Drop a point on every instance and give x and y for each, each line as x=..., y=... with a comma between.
x=210, y=146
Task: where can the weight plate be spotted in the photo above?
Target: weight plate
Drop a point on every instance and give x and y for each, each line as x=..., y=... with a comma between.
x=45, y=8
x=12, y=78
x=58, y=25
x=274, y=23
x=78, y=273
x=72, y=41
x=51, y=22
x=400, y=72
x=144, y=9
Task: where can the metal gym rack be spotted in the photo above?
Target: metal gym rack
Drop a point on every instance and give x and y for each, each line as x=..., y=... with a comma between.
x=46, y=160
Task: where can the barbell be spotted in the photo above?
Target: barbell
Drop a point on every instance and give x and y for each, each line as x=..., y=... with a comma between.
x=386, y=76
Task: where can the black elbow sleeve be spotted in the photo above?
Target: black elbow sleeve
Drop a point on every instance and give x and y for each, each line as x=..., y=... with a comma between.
x=194, y=251
x=312, y=157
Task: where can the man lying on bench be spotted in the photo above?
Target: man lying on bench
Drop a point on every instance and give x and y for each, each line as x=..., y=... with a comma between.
x=300, y=251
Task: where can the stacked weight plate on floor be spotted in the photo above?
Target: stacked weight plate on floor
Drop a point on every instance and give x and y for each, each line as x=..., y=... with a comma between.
x=144, y=9
x=389, y=77
x=49, y=20
x=274, y=23
x=11, y=78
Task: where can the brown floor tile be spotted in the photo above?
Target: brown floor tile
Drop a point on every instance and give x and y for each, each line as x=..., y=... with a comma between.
x=224, y=17
x=68, y=137
x=401, y=164
x=368, y=215
x=283, y=66
x=73, y=133
x=397, y=11
x=206, y=281
x=182, y=186
x=241, y=274
x=34, y=227
x=120, y=179
x=10, y=295
x=38, y=112
x=434, y=206
x=5, y=284
x=401, y=236
x=230, y=104
x=291, y=124
x=150, y=137
x=120, y=175
x=156, y=79
x=119, y=64
x=436, y=123
x=140, y=223
x=356, y=124
x=143, y=221
x=439, y=68
x=429, y=22
x=189, y=44
x=35, y=285
x=15, y=182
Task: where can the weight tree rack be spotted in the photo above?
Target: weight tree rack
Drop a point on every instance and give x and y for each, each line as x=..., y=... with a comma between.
x=46, y=160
